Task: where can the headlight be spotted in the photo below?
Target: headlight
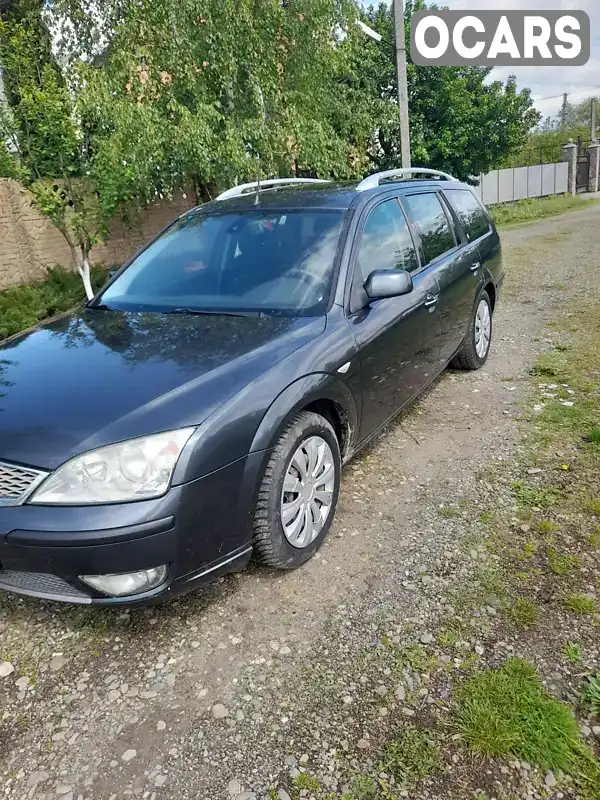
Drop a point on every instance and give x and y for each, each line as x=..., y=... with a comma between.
x=132, y=470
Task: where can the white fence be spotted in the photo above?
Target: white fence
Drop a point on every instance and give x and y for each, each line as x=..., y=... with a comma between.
x=506, y=185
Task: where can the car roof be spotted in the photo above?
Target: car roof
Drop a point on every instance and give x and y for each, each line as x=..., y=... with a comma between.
x=338, y=196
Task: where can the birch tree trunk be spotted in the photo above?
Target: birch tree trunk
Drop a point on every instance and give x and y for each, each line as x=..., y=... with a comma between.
x=84, y=270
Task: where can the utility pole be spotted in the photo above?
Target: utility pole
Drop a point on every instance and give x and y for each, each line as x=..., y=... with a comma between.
x=593, y=123
x=563, y=112
x=402, y=82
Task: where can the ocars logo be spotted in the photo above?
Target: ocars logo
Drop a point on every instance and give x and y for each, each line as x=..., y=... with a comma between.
x=500, y=38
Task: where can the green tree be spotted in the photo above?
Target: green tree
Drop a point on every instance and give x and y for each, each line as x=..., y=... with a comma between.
x=41, y=143
x=458, y=121
x=196, y=90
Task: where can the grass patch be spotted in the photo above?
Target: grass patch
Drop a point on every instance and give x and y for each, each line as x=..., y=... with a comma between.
x=448, y=512
x=580, y=604
x=562, y=565
x=593, y=436
x=411, y=758
x=539, y=208
x=592, y=693
x=306, y=781
x=593, y=506
x=533, y=495
x=523, y=612
x=364, y=787
x=27, y=304
x=572, y=653
x=507, y=712
x=414, y=656
x=547, y=526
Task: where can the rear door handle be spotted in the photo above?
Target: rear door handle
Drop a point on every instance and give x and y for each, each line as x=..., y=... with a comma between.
x=431, y=300
x=476, y=266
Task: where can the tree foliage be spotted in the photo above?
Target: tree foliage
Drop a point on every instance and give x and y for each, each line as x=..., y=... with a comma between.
x=111, y=104
x=42, y=145
x=197, y=89
x=459, y=121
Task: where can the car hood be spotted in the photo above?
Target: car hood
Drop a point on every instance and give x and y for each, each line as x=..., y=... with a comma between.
x=86, y=380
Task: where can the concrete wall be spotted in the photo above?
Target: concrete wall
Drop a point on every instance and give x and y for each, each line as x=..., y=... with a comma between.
x=506, y=185
x=29, y=243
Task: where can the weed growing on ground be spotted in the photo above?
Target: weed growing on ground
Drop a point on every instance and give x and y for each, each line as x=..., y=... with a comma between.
x=533, y=495
x=592, y=693
x=562, y=565
x=580, y=604
x=593, y=436
x=572, y=652
x=410, y=758
x=523, y=612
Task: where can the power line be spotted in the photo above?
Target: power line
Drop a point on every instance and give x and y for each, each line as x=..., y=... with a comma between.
x=554, y=96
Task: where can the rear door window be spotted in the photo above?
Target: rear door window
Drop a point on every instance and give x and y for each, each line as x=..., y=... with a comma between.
x=469, y=211
x=427, y=215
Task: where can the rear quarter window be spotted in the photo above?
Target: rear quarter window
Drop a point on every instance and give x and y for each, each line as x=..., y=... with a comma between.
x=472, y=216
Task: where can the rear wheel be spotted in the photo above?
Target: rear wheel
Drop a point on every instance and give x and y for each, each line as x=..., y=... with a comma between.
x=476, y=345
x=298, y=494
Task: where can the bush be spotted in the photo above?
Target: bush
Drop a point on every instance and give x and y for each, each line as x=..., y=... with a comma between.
x=26, y=304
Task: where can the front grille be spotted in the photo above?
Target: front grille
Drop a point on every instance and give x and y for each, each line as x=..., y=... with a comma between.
x=41, y=584
x=16, y=483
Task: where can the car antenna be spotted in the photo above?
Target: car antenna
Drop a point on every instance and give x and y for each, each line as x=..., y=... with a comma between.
x=257, y=196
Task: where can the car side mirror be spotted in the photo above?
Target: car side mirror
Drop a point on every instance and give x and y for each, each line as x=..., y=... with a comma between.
x=388, y=283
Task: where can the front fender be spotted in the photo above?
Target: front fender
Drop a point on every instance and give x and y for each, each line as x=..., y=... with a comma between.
x=309, y=389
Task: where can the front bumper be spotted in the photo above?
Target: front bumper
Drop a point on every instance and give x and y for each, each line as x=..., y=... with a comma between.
x=200, y=530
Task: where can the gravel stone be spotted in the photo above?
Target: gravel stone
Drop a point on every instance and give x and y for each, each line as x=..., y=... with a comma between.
x=6, y=669
x=39, y=776
x=550, y=780
x=128, y=755
x=58, y=662
x=219, y=711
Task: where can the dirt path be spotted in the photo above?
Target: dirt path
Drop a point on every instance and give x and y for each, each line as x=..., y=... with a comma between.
x=218, y=694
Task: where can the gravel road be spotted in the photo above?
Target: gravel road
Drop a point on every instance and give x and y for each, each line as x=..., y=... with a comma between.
x=237, y=687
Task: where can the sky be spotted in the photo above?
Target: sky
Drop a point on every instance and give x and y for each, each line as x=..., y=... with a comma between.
x=547, y=81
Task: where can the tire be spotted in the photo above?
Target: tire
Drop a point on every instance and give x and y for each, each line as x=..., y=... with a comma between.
x=468, y=356
x=272, y=546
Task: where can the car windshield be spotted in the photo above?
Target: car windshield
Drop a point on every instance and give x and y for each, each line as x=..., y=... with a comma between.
x=250, y=261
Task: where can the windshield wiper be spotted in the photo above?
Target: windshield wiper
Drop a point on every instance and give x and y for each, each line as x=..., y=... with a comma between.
x=100, y=307
x=211, y=312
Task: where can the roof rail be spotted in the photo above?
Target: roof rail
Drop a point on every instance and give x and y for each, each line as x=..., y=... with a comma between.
x=237, y=191
x=374, y=180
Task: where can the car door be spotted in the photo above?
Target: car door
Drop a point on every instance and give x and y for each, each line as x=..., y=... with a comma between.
x=397, y=337
x=452, y=258
x=478, y=237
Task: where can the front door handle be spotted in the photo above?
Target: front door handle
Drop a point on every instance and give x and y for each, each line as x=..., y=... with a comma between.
x=431, y=300
x=476, y=266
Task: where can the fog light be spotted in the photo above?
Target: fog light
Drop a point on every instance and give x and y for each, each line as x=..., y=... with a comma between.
x=127, y=583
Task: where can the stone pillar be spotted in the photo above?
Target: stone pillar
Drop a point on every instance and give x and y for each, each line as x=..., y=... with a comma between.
x=594, y=181
x=569, y=154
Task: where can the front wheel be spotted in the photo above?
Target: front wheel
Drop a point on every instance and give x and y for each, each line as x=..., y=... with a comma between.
x=298, y=494
x=476, y=345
